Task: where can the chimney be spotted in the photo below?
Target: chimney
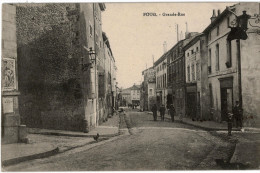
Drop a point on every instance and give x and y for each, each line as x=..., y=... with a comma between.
x=213, y=16
x=177, y=29
x=218, y=12
x=187, y=32
x=164, y=47
x=153, y=59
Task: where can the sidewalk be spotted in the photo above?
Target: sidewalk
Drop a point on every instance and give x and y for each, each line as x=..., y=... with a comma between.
x=247, y=150
x=107, y=129
x=207, y=125
x=45, y=142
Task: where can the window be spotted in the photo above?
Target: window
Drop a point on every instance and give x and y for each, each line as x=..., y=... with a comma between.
x=228, y=20
x=101, y=86
x=177, y=70
x=151, y=92
x=217, y=57
x=165, y=80
x=197, y=49
x=90, y=31
x=192, y=72
x=209, y=36
x=211, y=95
x=198, y=71
x=198, y=100
x=192, y=51
x=229, y=54
x=209, y=62
x=217, y=30
x=188, y=54
x=188, y=70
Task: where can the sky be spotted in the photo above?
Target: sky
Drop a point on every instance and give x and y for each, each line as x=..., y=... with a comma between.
x=135, y=38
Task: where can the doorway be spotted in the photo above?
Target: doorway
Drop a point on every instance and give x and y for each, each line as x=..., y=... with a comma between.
x=191, y=105
x=226, y=102
x=226, y=91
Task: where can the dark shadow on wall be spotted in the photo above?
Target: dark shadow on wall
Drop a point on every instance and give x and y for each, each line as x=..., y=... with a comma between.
x=49, y=79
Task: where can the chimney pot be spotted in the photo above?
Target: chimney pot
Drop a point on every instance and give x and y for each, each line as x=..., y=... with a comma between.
x=214, y=13
x=218, y=11
x=213, y=16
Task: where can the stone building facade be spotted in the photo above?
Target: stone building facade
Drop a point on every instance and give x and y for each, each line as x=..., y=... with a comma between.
x=61, y=65
x=148, y=89
x=12, y=130
x=110, y=77
x=135, y=94
x=160, y=67
x=196, y=68
x=223, y=64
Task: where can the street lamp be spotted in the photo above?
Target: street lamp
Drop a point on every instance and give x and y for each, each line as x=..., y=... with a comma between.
x=90, y=52
x=239, y=31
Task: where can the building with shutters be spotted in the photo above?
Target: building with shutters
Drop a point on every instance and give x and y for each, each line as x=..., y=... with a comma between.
x=224, y=66
x=196, y=68
x=160, y=67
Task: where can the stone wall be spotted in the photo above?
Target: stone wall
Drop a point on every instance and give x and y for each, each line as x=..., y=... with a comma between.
x=49, y=67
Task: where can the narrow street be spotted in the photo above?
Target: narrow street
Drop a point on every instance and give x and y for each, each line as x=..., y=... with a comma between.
x=149, y=146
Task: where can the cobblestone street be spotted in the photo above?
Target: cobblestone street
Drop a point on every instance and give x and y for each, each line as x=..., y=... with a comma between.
x=150, y=146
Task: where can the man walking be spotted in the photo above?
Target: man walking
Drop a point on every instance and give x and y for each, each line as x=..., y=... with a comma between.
x=230, y=121
x=162, y=112
x=154, y=110
x=172, y=112
x=237, y=111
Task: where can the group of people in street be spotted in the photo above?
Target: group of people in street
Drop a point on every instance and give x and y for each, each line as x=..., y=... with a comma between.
x=162, y=110
x=235, y=117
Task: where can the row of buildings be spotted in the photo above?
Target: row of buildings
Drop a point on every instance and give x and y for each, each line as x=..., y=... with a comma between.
x=130, y=96
x=58, y=68
x=204, y=74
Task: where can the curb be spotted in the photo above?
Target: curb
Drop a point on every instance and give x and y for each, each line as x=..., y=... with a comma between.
x=71, y=135
x=249, y=129
x=53, y=152
x=30, y=157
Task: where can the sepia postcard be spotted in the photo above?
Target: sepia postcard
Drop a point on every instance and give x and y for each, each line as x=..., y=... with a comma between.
x=130, y=86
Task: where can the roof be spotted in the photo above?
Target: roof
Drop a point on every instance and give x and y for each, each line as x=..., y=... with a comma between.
x=219, y=18
x=106, y=41
x=102, y=6
x=192, y=41
x=146, y=70
x=162, y=58
x=135, y=87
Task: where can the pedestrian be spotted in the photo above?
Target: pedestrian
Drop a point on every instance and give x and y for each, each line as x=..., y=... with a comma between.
x=162, y=112
x=154, y=110
x=172, y=112
x=230, y=121
x=237, y=111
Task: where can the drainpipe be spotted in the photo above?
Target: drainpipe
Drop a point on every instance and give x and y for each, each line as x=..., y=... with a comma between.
x=239, y=73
